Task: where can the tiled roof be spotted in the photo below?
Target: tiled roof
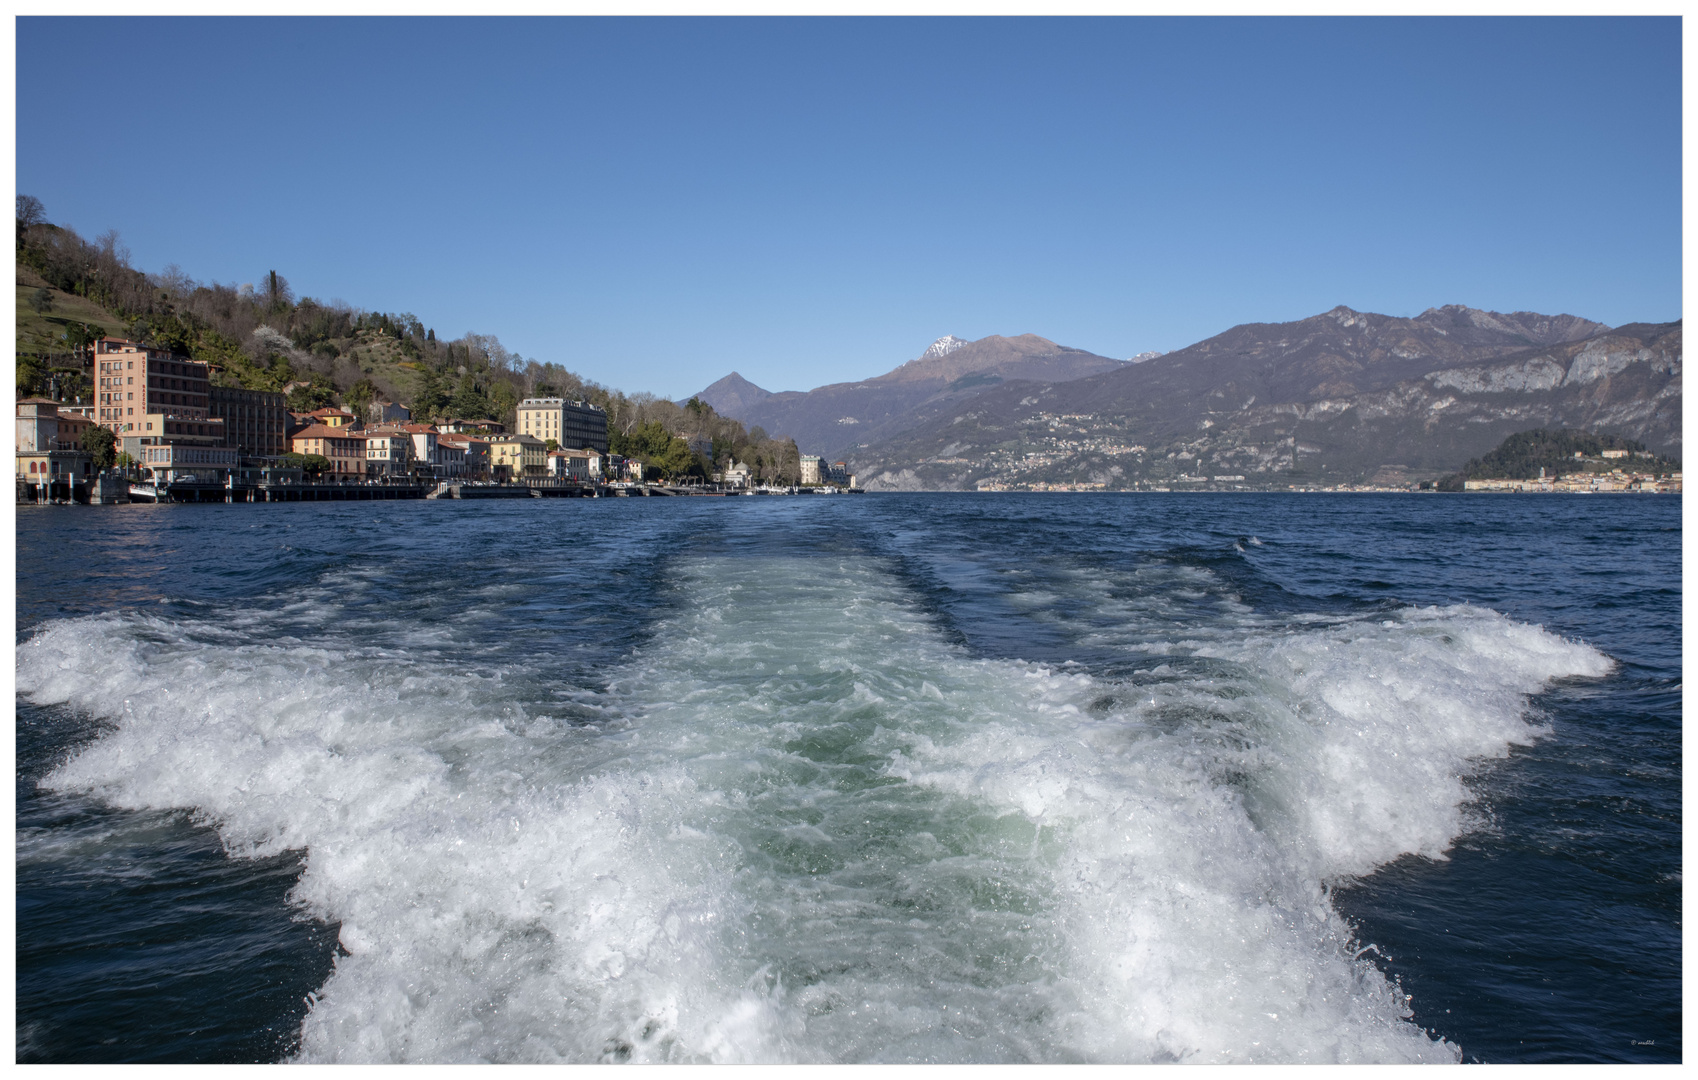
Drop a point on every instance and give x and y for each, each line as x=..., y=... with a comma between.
x=325, y=431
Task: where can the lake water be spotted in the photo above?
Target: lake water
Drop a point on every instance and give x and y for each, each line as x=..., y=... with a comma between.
x=886, y=778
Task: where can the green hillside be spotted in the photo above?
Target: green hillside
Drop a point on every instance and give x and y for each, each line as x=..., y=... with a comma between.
x=260, y=336
x=1527, y=455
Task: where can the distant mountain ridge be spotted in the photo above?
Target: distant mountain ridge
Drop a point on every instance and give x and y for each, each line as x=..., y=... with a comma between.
x=833, y=419
x=1344, y=396
x=733, y=395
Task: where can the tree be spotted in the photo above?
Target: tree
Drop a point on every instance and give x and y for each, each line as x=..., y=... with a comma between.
x=100, y=444
x=318, y=393
x=469, y=400
x=551, y=445
x=29, y=376
x=30, y=211
x=429, y=400
x=311, y=464
x=80, y=337
x=41, y=301
x=278, y=296
x=360, y=396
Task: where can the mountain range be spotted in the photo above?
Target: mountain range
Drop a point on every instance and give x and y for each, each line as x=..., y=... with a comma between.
x=1338, y=398
x=832, y=420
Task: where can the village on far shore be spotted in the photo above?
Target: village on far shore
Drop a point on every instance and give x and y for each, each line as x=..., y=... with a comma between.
x=175, y=435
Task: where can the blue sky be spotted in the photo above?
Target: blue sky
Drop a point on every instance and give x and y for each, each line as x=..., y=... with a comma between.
x=654, y=203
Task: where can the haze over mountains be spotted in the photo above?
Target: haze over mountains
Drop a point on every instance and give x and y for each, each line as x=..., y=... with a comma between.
x=1340, y=397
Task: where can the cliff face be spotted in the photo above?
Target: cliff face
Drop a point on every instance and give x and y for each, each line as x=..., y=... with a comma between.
x=1343, y=397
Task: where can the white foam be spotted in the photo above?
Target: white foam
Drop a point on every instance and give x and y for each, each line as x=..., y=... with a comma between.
x=811, y=829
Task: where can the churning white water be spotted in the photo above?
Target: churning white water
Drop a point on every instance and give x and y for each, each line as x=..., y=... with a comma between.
x=808, y=827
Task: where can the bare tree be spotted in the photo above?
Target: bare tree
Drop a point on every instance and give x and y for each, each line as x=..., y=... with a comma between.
x=174, y=281
x=30, y=211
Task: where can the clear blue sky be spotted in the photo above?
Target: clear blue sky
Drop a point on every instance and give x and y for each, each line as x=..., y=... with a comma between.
x=654, y=203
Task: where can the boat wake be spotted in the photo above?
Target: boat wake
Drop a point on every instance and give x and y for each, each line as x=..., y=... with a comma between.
x=800, y=824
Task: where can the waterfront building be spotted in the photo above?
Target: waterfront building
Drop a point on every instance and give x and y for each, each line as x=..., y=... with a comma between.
x=573, y=425
x=463, y=456
x=344, y=449
x=518, y=457
x=57, y=466
x=45, y=424
x=426, y=451
x=132, y=381
x=811, y=469
x=389, y=451
x=736, y=475
x=581, y=465
x=49, y=443
x=623, y=468
x=178, y=449
x=450, y=463
x=256, y=422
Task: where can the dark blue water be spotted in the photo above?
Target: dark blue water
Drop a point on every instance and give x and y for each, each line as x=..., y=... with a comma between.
x=1550, y=932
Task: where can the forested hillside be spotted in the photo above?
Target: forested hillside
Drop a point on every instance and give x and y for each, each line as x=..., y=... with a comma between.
x=1529, y=454
x=262, y=336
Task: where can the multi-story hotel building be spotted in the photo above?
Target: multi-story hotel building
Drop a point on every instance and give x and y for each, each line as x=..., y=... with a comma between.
x=131, y=381
x=255, y=421
x=574, y=425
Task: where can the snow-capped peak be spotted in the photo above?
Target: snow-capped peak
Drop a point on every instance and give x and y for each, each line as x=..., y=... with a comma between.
x=943, y=346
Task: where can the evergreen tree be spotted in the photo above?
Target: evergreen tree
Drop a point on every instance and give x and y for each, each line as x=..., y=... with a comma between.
x=100, y=444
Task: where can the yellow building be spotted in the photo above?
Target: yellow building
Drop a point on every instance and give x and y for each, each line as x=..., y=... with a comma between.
x=336, y=418
x=573, y=425
x=518, y=457
x=344, y=449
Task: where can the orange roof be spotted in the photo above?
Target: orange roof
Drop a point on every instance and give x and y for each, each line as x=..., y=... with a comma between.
x=327, y=411
x=325, y=431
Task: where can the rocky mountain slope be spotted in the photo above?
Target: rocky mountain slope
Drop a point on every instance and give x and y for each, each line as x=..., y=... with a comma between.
x=1342, y=397
x=832, y=420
